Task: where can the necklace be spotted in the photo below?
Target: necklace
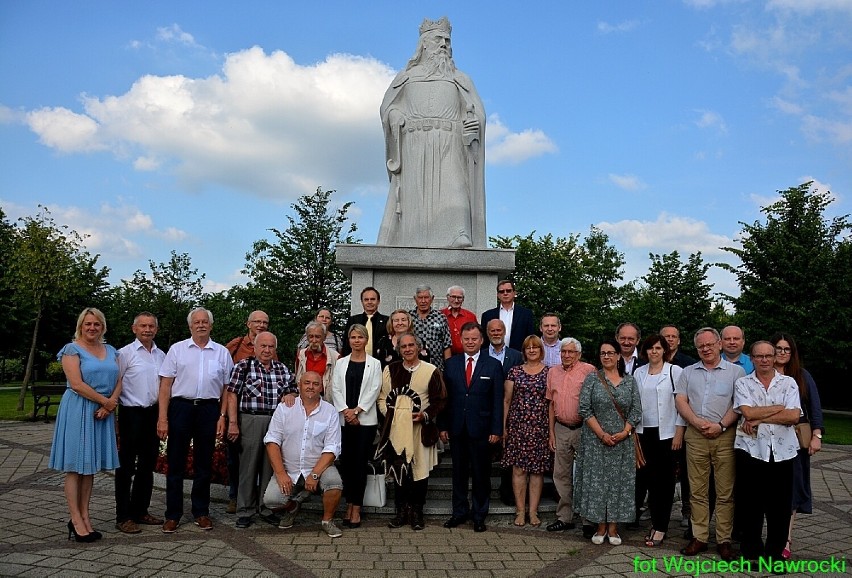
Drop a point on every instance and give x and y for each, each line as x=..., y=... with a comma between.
x=411, y=369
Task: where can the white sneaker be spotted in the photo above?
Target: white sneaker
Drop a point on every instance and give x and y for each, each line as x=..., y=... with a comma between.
x=331, y=529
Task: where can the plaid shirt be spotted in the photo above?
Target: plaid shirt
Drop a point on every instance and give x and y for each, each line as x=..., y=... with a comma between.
x=434, y=333
x=257, y=388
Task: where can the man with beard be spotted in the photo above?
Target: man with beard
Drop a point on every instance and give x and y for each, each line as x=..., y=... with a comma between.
x=434, y=125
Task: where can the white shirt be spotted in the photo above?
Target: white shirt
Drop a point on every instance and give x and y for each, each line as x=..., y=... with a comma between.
x=304, y=438
x=777, y=440
x=475, y=358
x=658, y=399
x=140, y=374
x=506, y=316
x=199, y=373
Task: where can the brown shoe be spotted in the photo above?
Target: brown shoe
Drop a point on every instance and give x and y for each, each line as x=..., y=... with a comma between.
x=128, y=527
x=204, y=523
x=170, y=526
x=149, y=520
x=726, y=551
x=694, y=547
x=232, y=507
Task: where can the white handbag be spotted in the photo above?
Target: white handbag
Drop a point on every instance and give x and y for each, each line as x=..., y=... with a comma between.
x=375, y=494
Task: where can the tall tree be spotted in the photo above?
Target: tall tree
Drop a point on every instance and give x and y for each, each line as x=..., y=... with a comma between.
x=794, y=275
x=296, y=273
x=49, y=265
x=576, y=280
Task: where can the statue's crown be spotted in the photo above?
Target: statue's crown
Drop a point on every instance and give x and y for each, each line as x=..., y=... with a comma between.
x=443, y=25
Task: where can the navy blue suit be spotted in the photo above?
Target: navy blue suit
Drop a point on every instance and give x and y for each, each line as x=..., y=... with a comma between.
x=472, y=415
x=523, y=325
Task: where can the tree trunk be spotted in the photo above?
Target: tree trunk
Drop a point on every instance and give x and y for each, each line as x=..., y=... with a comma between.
x=30, y=360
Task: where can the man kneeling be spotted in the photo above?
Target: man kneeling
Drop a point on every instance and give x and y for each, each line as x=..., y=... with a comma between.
x=302, y=443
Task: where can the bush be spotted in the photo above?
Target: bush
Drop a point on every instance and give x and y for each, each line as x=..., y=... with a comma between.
x=11, y=369
x=54, y=372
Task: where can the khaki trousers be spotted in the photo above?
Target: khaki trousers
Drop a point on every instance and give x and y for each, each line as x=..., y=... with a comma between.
x=567, y=445
x=702, y=455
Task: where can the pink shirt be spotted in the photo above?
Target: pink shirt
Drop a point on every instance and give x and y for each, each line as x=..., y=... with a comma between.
x=563, y=390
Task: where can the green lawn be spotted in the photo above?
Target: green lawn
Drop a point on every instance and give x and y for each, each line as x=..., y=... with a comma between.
x=9, y=403
x=838, y=429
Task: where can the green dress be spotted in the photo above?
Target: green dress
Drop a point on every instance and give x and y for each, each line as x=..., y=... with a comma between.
x=605, y=480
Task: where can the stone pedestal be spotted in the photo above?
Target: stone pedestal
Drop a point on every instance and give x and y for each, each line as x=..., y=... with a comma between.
x=397, y=271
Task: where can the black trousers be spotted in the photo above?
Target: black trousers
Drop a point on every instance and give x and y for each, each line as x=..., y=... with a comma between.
x=471, y=461
x=137, y=457
x=768, y=493
x=657, y=477
x=356, y=450
x=196, y=424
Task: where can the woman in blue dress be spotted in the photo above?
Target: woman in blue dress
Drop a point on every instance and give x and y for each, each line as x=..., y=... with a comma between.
x=84, y=438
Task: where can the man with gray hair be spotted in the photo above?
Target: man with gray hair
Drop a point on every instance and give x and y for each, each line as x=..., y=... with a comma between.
x=457, y=316
x=192, y=378
x=317, y=357
x=564, y=382
x=431, y=327
x=704, y=396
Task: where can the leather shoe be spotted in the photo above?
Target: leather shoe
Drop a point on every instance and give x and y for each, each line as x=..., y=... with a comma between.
x=128, y=527
x=560, y=526
x=726, y=551
x=479, y=527
x=455, y=521
x=170, y=526
x=204, y=522
x=694, y=547
x=149, y=520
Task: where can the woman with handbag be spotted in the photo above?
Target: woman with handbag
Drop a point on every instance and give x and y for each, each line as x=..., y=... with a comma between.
x=413, y=394
x=355, y=386
x=660, y=433
x=604, y=485
x=810, y=429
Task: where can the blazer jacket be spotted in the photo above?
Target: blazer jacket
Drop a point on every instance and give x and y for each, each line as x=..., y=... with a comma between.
x=380, y=328
x=370, y=386
x=523, y=325
x=477, y=409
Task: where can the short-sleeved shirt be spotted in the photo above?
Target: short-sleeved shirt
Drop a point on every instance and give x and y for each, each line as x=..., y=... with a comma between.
x=200, y=373
x=563, y=390
x=776, y=440
x=455, y=324
x=304, y=438
x=258, y=388
x=140, y=374
x=710, y=392
x=434, y=332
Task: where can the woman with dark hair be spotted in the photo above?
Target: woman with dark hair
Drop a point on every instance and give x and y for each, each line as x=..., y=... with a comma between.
x=84, y=436
x=788, y=362
x=604, y=491
x=660, y=432
x=526, y=429
x=354, y=388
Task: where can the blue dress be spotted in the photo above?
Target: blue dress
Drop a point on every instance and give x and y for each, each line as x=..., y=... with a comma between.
x=81, y=443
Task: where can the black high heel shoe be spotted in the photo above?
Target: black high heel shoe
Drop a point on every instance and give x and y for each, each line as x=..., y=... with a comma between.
x=77, y=537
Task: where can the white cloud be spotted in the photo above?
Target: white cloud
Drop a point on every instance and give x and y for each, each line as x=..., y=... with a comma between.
x=174, y=33
x=504, y=147
x=64, y=130
x=667, y=233
x=627, y=182
x=711, y=119
x=625, y=26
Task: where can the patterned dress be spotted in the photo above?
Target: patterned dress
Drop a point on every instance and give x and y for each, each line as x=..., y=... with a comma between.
x=605, y=482
x=81, y=443
x=527, y=430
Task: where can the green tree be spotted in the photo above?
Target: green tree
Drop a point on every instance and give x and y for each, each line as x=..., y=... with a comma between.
x=672, y=292
x=578, y=280
x=296, y=273
x=794, y=276
x=50, y=267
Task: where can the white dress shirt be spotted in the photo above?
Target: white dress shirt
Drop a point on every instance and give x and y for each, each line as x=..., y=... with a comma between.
x=140, y=374
x=199, y=373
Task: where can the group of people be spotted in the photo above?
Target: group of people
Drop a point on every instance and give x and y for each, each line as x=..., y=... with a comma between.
x=396, y=388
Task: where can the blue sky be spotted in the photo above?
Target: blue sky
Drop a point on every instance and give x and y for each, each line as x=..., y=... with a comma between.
x=192, y=126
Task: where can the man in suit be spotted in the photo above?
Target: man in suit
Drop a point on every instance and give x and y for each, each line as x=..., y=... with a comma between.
x=518, y=320
x=375, y=322
x=473, y=419
x=498, y=349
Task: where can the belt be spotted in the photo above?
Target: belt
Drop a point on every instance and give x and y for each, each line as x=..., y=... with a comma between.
x=258, y=411
x=571, y=427
x=427, y=124
x=201, y=401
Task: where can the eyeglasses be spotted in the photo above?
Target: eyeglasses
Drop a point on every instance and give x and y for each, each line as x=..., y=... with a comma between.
x=608, y=354
x=762, y=357
x=455, y=296
x=783, y=350
x=706, y=346
x=505, y=290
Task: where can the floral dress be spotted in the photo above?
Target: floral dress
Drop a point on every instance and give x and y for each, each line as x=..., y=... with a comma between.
x=527, y=430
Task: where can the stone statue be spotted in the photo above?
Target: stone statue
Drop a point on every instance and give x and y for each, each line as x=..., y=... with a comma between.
x=434, y=125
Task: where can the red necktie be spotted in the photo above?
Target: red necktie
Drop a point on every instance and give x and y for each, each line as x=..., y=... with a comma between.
x=468, y=373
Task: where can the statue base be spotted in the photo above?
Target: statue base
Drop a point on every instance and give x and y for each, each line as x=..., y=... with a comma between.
x=397, y=271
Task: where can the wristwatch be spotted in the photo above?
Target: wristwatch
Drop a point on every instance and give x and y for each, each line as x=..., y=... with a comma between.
x=724, y=429
x=314, y=476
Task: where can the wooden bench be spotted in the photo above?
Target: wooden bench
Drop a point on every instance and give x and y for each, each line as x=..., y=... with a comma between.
x=45, y=396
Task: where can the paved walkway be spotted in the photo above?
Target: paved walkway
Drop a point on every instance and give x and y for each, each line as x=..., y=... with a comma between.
x=33, y=517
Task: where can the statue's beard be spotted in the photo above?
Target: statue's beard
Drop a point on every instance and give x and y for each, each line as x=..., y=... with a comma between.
x=439, y=64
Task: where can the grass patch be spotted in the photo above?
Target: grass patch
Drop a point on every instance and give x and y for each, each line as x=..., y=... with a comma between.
x=9, y=403
x=838, y=429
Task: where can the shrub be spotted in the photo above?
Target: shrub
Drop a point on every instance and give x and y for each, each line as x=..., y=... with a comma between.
x=54, y=372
